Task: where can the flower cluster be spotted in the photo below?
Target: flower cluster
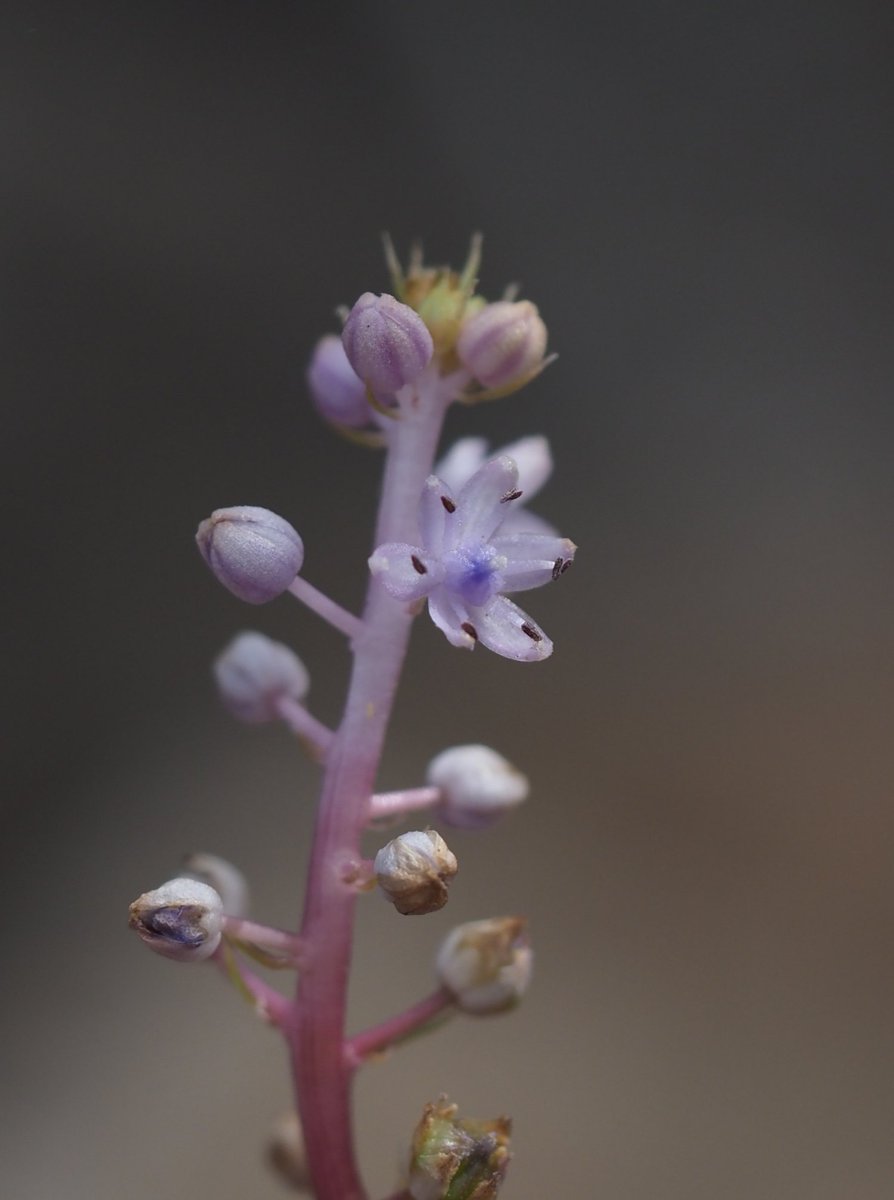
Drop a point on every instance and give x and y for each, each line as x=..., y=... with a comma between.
x=457, y=536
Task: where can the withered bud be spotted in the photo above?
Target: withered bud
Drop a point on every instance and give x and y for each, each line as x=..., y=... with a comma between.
x=286, y=1153
x=486, y=964
x=182, y=920
x=456, y=1158
x=414, y=870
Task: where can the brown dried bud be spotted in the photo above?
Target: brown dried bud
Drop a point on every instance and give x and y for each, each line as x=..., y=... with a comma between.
x=486, y=964
x=414, y=870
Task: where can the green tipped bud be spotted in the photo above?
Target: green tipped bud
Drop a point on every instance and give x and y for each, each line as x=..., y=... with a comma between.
x=457, y=1158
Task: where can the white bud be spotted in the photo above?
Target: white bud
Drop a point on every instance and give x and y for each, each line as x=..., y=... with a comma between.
x=182, y=920
x=227, y=880
x=486, y=964
x=478, y=785
x=414, y=870
x=286, y=1152
x=253, y=672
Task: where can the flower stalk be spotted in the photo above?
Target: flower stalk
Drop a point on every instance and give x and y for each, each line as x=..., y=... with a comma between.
x=458, y=537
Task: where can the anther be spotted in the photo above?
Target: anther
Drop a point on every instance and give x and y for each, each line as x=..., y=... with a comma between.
x=557, y=568
x=513, y=495
x=469, y=628
x=532, y=633
x=419, y=566
x=448, y=504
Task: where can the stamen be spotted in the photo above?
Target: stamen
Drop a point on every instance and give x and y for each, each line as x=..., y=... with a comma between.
x=469, y=628
x=514, y=495
x=557, y=568
x=418, y=565
x=565, y=565
x=448, y=504
x=532, y=633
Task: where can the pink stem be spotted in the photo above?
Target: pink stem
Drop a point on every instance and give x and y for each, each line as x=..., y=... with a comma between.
x=317, y=1025
x=301, y=722
x=320, y=603
x=264, y=936
x=393, y=804
x=396, y=1028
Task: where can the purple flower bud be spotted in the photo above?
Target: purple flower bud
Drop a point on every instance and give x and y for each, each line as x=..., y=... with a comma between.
x=252, y=551
x=253, y=672
x=338, y=393
x=386, y=342
x=503, y=343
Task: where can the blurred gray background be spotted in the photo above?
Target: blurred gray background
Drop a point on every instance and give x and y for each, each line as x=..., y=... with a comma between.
x=698, y=197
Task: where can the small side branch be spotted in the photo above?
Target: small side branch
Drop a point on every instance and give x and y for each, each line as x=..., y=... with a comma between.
x=419, y=1018
x=387, y=805
x=305, y=725
x=321, y=604
x=267, y=1002
x=284, y=945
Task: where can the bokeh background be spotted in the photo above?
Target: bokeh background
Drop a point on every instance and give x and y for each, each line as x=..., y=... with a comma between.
x=698, y=196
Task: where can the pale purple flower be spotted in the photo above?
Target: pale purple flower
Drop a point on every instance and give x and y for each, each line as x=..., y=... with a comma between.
x=252, y=551
x=253, y=673
x=337, y=391
x=387, y=343
x=503, y=343
x=466, y=562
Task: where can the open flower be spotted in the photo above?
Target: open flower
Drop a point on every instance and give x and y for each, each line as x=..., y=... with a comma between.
x=466, y=562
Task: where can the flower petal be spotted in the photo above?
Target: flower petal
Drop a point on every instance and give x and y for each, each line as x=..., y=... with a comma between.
x=452, y=618
x=406, y=572
x=505, y=629
x=436, y=505
x=534, y=461
x=483, y=504
x=520, y=520
x=461, y=461
x=532, y=559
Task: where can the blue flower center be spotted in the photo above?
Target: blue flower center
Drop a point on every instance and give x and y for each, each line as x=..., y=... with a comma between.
x=473, y=575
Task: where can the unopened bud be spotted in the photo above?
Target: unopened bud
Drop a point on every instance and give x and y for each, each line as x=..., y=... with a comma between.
x=387, y=344
x=414, y=870
x=253, y=672
x=337, y=391
x=227, y=880
x=182, y=919
x=503, y=343
x=456, y=1158
x=286, y=1153
x=478, y=785
x=486, y=964
x=252, y=551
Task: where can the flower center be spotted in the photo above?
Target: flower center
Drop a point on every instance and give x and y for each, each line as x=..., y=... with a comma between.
x=474, y=574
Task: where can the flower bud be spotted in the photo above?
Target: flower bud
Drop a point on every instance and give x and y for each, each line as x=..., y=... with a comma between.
x=227, y=880
x=338, y=393
x=252, y=551
x=486, y=964
x=414, y=870
x=286, y=1153
x=387, y=343
x=503, y=343
x=183, y=920
x=253, y=672
x=478, y=785
x=459, y=1158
